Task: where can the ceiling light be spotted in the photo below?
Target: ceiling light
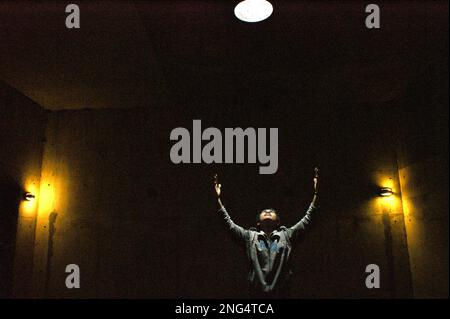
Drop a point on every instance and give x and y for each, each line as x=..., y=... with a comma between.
x=253, y=10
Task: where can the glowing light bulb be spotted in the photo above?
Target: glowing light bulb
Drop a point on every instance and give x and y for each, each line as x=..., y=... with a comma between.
x=29, y=196
x=386, y=191
x=253, y=10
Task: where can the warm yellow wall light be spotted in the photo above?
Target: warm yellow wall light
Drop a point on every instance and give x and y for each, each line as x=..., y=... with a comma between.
x=386, y=191
x=29, y=196
x=28, y=204
x=386, y=196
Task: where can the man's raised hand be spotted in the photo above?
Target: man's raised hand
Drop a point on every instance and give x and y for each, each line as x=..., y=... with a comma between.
x=316, y=180
x=217, y=186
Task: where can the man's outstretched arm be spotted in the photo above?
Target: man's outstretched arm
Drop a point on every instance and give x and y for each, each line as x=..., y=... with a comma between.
x=301, y=226
x=237, y=230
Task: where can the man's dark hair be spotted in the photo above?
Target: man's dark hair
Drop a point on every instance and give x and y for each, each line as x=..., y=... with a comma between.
x=267, y=210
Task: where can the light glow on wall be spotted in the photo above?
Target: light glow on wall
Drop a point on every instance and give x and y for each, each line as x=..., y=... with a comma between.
x=391, y=203
x=28, y=207
x=47, y=198
x=53, y=190
x=386, y=201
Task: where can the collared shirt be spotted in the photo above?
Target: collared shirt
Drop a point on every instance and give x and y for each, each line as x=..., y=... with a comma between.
x=268, y=253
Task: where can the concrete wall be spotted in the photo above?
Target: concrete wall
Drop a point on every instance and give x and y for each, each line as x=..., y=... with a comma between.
x=139, y=226
x=103, y=187
x=423, y=169
x=110, y=200
x=22, y=126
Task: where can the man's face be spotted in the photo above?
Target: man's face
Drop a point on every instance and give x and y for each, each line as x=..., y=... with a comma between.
x=268, y=215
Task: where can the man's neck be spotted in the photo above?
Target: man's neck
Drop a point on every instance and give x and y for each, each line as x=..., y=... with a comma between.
x=268, y=230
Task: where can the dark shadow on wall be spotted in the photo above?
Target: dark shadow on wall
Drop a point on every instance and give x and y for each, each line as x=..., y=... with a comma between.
x=51, y=235
x=9, y=207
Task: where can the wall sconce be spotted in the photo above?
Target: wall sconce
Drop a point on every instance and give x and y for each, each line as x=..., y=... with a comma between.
x=386, y=191
x=28, y=196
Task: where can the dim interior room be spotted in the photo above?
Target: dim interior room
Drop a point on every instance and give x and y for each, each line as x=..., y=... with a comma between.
x=85, y=171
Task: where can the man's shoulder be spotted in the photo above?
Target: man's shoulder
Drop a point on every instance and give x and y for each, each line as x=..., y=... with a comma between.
x=283, y=230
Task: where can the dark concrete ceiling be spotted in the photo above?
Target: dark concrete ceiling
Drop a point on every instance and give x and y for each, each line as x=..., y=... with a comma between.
x=150, y=53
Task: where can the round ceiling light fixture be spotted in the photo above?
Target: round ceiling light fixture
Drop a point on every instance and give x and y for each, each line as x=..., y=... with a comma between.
x=253, y=10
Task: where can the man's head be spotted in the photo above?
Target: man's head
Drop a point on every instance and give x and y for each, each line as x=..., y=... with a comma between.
x=268, y=216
